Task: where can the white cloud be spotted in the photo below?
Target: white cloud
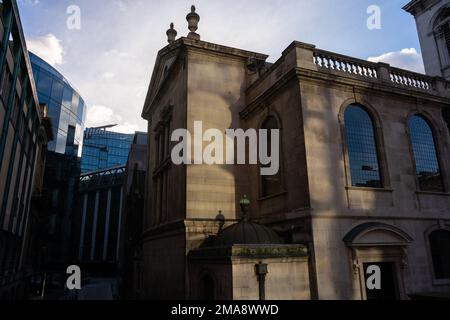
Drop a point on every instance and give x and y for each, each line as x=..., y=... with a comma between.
x=126, y=128
x=108, y=75
x=98, y=116
x=48, y=48
x=114, y=53
x=122, y=5
x=408, y=59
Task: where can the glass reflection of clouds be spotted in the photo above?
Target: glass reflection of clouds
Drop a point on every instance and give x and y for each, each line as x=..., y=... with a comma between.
x=67, y=109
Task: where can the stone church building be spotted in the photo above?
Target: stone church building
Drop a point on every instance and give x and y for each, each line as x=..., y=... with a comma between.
x=364, y=179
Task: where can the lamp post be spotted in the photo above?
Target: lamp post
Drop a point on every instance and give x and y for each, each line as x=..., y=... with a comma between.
x=261, y=270
x=245, y=204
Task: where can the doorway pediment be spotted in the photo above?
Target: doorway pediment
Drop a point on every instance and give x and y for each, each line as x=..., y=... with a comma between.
x=376, y=234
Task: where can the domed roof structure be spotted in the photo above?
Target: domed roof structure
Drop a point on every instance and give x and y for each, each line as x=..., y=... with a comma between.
x=247, y=233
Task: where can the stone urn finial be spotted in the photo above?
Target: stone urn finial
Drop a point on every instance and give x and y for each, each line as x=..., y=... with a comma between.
x=171, y=34
x=193, y=19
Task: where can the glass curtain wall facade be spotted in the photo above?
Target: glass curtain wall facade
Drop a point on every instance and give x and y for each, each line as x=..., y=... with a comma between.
x=52, y=232
x=20, y=120
x=67, y=109
x=104, y=149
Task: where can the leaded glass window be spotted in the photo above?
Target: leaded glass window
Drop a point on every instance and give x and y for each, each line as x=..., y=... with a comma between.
x=424, y=148
x=362, y=148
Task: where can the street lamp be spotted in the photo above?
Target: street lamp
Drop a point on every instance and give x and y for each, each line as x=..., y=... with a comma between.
x=261, y=271
x=245, y=204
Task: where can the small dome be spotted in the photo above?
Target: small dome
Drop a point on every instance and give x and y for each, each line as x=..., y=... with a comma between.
x=246, y=232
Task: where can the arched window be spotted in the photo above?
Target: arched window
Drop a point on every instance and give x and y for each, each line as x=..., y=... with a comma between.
x=207, y=288
x=424, y=148
x=440, y=253
x=271, y=185
x=362, y=148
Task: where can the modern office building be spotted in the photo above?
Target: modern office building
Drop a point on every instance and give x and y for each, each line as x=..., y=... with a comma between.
x=98, y=224
x=51, y=235
x=98, y=219
x=96, y=233
x=104, y=149
x=51, y=250
x=23, y=141
x=67, y=109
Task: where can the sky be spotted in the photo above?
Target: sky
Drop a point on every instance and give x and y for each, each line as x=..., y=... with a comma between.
x=110, y=57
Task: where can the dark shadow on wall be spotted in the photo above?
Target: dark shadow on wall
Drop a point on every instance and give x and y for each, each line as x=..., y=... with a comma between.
x=446, y=116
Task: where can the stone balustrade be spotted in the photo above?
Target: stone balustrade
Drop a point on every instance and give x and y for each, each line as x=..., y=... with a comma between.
x=337, y=62
x=411, y=79
x=379, y=72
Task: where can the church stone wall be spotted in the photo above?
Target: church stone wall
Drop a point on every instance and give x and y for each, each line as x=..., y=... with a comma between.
x=164, y=248
x=336, y=278
x=165, y=265
x=285, y=106
x=337, y=207
x=216, y=95
x=288, y=279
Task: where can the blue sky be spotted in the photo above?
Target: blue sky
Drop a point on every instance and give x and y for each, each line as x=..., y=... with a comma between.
x=110, y=59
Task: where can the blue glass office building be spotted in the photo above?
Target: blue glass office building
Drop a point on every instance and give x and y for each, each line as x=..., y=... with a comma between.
x=104, y=149
x=51, y=245
x=67, y=109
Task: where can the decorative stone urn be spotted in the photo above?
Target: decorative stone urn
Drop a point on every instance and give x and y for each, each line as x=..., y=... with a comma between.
x=171, y=34
x=193, y=19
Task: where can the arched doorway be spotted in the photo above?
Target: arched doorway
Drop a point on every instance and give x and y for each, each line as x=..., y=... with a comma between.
x=378, y=255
